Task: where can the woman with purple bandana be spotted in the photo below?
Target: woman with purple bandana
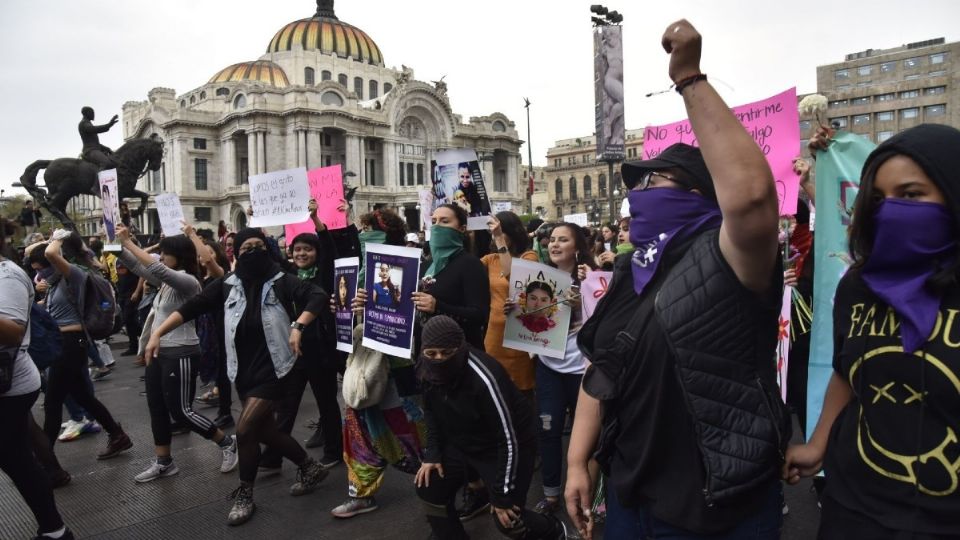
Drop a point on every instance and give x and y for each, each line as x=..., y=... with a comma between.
x=887, y=435
x=679, y=404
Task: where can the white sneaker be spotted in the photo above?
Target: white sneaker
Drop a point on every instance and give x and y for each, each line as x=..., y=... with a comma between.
x=230, y=460
x=73, y=431
x=156, y=470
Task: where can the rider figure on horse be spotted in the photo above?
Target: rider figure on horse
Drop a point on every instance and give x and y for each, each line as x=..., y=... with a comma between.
x=93, y=151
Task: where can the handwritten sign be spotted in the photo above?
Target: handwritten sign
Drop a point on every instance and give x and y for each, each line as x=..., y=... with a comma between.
x=109, y=200
x=577, y=219
x=170, y=213
x=279, y=197
x=592, y=290
x=774, y=123
x=326, y=187
x=502, y=206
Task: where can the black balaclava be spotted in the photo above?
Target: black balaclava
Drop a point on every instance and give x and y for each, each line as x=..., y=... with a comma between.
x=254, y=266
x=442, y=332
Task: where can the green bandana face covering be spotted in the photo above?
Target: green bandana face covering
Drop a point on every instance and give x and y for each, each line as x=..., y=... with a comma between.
x=307, y=273
x=368, y=237
x=444, y=243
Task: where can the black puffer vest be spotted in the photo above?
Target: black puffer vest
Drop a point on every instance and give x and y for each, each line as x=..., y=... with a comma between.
x=724, y=337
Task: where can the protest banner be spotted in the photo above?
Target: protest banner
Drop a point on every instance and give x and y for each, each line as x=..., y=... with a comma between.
x=540, y=323
x=391, y=275
x=502, y=206
x=279, y=197
x=111, y=207
x=326, y=187
x=774, y=123
x=592, y=290
x=457, y=179
x=170, y=212
x=608, y=92
x=344, y=290
x=838, y=181
x=577, y=219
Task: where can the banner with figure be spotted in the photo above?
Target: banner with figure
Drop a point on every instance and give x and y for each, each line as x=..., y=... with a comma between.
x=390, y=279
x=838, y=180
x=344, y=290
x=110, y=201
x=541, y=320
x=608, y=92
x=458, y=179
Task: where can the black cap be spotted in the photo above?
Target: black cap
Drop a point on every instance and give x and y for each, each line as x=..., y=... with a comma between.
x=680, y=156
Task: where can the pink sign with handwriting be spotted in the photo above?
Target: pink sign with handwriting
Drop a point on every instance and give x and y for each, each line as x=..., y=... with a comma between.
x=774, y=124
x=326, y=186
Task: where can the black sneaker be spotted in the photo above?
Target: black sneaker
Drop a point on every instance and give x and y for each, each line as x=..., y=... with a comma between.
x=115, y=444
x=224, y=421
x=315, y=440
x=58, y=478
x=474, y=503
x=67, y=535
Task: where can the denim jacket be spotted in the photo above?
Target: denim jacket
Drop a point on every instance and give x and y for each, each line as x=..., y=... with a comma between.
x=276, y=325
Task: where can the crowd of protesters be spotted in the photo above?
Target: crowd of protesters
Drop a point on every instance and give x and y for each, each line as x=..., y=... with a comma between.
x=668, y=390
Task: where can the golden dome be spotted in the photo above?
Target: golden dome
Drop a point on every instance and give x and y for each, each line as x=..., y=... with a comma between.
x=261, y=71
x=325, y=33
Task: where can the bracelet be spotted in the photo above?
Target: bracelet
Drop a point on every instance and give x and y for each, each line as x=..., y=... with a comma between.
x=684, y=83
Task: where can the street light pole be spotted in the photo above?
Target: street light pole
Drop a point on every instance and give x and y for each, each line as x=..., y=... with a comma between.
x=529, y=160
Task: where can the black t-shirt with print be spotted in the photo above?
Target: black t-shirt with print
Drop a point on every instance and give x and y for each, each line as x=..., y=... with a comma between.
x=894, y=451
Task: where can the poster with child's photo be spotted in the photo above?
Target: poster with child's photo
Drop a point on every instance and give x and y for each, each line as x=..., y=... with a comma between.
x=457, y=179
x=541, y=319
x=110, y=202
x=344, y=290
x=390, y=279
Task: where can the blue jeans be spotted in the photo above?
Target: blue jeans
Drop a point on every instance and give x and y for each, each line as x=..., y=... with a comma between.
x=556, y=392
x=629, y=524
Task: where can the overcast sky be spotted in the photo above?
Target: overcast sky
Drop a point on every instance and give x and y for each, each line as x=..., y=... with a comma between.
x=62, y=54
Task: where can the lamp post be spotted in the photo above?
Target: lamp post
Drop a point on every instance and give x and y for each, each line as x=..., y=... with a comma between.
x=529, y=160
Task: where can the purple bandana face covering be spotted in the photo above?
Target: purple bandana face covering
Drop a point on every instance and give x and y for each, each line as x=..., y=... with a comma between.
x=659, y=215
x=911, y=238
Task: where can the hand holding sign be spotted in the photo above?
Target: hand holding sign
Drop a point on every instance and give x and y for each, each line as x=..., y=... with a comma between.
x=326, y=196
x=170, y=212
x=279, y=198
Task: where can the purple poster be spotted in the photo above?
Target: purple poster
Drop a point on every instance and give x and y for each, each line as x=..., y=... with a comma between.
x=344, y=289
x=392, y=273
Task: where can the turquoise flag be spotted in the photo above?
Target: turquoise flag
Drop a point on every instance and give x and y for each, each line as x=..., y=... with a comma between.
x=838, y=180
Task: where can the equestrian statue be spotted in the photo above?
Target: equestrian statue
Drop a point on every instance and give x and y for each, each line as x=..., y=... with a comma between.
x=66, y=178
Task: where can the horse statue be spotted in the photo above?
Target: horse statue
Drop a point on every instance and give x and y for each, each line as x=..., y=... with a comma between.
x=66, y=178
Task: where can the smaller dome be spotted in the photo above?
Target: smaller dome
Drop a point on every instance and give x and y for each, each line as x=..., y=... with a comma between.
x=260, y=71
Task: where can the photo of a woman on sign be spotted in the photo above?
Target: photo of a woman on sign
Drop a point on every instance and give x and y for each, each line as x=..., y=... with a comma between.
x=109, y=217
x=343, y=295
x=460, y=199
x=469, y=190
x=537, y=306
x=386, y=293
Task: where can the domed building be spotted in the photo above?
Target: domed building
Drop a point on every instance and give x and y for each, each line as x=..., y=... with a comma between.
x=320, y=95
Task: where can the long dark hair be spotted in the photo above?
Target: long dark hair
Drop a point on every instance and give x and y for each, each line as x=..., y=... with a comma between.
x=182, y=248
x=511, y=226
x=218, y=253
x=388, y=221
x=75, y=251
x=584, y=255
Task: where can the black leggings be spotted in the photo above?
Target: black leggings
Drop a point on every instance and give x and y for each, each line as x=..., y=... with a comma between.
x=171, y=384
x=257, y=425
x=224, y=389
x=18, y=461
x=66, y=378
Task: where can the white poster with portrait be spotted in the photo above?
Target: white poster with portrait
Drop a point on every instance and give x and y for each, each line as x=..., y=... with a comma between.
x=110, y=201
x=458, y=179
x=541, y=319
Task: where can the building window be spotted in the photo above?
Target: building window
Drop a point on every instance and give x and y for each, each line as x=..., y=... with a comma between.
x=937, y=73
x=842, y=87
x=805, y=126
x=841, y=74
x=863, y=71
x=387, y=87
x=934, y=110
x=200, y=173
x=419, y=174
x=342, y=79
x=883, y=135
x=912, y=77
x=499, y=127
x=240, y=101
x=183, y=104
x=500, y=181
x=602, y=185
x=223, y=92
x=885, y=116
x=325, y=75
x=374, y=89
x=358, y=87
x=911, y=63
x=370, y=174
x=907, y=114
x=573, y=209
x=864, y=84
x=861, y=119
x=907, y=94
x=934, y=90
x=587, y=188
x=331, y=98
x=840, y=122
x=326, y=137
x=886, y=97
x=887, y=67
x=202, y=213
x=573, y=188
x=203, y=95
x=410, y=175
x=308, y=75
x=193, y=100
x=860, y=101
x=837, y=103
x=937, y=58
x=558, y=187
x=199, y=143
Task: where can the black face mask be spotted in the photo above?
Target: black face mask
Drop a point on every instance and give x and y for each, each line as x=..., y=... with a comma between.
x=255, y=266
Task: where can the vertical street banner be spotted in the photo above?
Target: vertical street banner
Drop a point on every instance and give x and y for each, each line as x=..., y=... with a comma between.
x=391, y=275
x=326, y=187
x=344, y=290
x=608, y=92
x=279, y=197
x=541, y=320
x=774, y=123
x=838, y=181
x=170, y=212
x=109, y=200
x=457, y=179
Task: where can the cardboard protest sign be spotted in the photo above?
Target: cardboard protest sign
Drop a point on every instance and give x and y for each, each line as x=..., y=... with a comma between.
x=577, y=219
x=540, y=323
x=109, y=200
x=457, y=179
x=391, y=275
x=279, y=197
x=774, y=123
x=592, y=290
x=344, y=290
x=502, y=206
x=170, y=212
x=326, y=187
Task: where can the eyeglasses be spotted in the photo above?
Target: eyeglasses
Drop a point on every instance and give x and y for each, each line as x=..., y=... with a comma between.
x=251, y=247
x=644, y=182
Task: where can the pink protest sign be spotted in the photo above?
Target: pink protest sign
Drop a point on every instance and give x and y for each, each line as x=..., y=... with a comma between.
x=326, y=186
x=592, y=290
x=774, y=123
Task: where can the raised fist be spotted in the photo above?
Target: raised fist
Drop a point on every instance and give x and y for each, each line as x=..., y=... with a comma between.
x=682, y=41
